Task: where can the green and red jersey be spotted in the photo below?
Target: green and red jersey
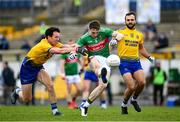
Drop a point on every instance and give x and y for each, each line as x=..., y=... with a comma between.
x=71, y=66
x=98, y=45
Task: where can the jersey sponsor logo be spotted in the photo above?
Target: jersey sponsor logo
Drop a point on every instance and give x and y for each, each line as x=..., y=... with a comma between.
x=132, y=43
x=71, y=61
x=131, y=35
x=98, y=46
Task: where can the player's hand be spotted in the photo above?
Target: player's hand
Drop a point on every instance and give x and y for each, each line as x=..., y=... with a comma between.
x=63, y=76
x=72, y=55
x=113, y=42
x=151, y=59
x=82, y=51
x=119, y=36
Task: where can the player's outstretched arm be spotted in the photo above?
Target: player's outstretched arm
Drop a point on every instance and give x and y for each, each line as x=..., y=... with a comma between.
x=62, y=50
x=144, y=52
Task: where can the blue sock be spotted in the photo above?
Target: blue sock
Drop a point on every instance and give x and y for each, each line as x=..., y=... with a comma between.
x=83, y=100
x=53, y=106
x=103, y=101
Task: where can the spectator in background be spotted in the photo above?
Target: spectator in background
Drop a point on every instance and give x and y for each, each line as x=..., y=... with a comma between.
x=158, y=76
x=42, y=30
x=26, y=45
x=9, y=82
x=77, y=4
x=162, y=41
x=150, y=31
x=1, y=88
x=4, y=44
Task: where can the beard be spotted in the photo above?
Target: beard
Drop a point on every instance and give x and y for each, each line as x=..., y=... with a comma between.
x=130, y=26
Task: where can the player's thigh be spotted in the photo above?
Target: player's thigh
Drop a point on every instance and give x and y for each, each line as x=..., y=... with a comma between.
x=86, y=85
x=128, y=79
x=95, y=64
x=77, y=82
x=78, y=85
x=139, y=76
x=27, y=91
x=44, y=78
x=69, y=85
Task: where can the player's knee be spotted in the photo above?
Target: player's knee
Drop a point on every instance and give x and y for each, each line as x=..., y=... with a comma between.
x=105, y=73
x=142, y=83
x=131, y=87
x=79, y=91
x=103, y=85
x=27, y=99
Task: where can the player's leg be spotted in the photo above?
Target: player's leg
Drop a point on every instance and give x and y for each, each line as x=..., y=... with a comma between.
x=103, y=71
x=23, y=94
x=77, y=84
x=103, y=97
x=28, y=75
x=86, y=89
x=130, y=87
x=140, y=78
x=45, y=79
x=89, y=77
x=68, y=95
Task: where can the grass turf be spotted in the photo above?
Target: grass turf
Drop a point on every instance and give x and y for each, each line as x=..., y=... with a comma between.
x=43, y=113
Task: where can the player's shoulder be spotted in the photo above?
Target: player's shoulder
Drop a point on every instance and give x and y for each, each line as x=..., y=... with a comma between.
x=84, y=36
x=104, y=29
x=121, y=29
x=139, y=32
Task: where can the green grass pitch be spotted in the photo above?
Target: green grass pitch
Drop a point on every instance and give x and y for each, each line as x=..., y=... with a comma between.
x=95, y=113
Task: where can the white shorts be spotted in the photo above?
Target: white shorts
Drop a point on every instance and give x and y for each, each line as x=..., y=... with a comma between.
x=73, y=79
x=103, y=62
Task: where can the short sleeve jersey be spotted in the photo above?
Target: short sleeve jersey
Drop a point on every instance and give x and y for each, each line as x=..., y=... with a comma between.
x=39, y=54
x=128, y=47
x=71, y=66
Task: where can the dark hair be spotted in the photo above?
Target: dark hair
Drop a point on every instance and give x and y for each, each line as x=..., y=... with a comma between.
x=6, y=63
x=49, y=31
x=131, y=13
x=95, y=24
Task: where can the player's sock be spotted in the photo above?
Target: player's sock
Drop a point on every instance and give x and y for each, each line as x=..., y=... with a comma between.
x=134, y=98
x=18, y=90
x=124, y=103
x=87, y=103
x=103, y=104
x=54, y=108
x=83, y=101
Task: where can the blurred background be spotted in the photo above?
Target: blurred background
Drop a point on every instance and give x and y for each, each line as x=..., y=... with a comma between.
x=22, y=22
